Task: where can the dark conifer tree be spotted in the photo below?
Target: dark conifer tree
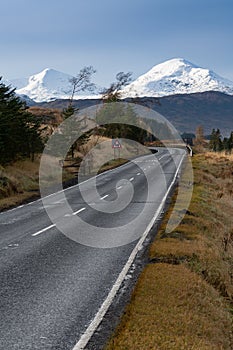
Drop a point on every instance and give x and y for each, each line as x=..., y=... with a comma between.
x=19, y=129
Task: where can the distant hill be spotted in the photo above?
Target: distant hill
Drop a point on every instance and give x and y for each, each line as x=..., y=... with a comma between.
x=209, y=109
x=185, y=112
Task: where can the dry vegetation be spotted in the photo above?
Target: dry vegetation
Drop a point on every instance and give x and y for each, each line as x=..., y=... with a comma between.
x=18, y=182
x=49, y=116
x=184, y=297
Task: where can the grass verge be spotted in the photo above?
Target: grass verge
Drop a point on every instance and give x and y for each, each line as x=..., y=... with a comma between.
x=18, y=182
x=183, y=299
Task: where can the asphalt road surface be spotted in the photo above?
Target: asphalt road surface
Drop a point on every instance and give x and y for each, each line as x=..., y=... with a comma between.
x=51, y=287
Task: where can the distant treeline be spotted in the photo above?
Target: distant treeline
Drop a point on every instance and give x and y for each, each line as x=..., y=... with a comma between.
x=218, y=143
x=214, y=142
x=20, y=130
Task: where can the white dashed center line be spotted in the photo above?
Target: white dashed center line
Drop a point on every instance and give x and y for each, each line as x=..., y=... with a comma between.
x=104, y=197
x=44, y=229
x=132, y=178
x=119, y=187
x=78, y=211
x=138, y=174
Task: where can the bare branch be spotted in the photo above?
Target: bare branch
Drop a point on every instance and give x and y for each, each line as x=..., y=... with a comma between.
x=82, y=82
x=113, y=93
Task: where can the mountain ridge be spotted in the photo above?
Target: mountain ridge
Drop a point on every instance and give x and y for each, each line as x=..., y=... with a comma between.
x=177, y=76
x=210, y=109
x=172, y=77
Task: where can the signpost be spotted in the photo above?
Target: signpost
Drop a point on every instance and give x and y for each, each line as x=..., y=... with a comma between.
x=116, y=144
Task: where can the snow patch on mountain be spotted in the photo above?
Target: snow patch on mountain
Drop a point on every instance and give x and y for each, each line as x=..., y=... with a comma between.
x=177, y=76
x=47, y=85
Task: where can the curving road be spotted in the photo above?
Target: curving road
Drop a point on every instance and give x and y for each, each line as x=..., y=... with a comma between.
x=51, y=287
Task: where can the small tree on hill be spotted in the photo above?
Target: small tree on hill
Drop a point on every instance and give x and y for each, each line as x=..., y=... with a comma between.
x=80, y=82
x=215, y=143
x=199, y=139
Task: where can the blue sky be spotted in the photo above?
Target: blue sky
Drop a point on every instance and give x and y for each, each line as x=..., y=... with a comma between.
x=113, y=36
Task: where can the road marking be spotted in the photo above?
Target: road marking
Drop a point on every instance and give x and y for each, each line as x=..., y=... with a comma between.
x=104, y=197
x=65, y=189
x=59, y=202
x=165, y=155
x=44, y=229
x=132, y=178
x=81, y=344
x=138, y=174
x=71, y=187
x=78, y=211
x=119, y=187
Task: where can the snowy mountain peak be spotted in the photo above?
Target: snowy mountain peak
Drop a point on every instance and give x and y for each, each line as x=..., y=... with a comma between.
x=46, y=85
x=173, y=65
x=48, y=74
x=177, y=76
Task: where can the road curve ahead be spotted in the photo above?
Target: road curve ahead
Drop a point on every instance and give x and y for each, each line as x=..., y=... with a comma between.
x=51, y=287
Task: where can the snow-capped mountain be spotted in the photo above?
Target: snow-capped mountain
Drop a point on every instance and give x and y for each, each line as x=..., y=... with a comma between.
x=47, y=85
x=177, y=76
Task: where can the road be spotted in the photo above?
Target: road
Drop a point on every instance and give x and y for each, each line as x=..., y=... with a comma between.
x=51, y=287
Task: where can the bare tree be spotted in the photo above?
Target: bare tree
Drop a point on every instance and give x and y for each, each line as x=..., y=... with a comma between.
x=200, y=139
x=81, y=82
x=114, y=93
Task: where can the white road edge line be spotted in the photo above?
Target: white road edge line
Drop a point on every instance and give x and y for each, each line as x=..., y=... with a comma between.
x=44, y=229
x=78, y=211
x=108, y=301
x=104, y=196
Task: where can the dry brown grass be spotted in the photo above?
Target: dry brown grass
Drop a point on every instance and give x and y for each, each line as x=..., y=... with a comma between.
x=208, y=226
x=183, y=299
x=50, y=116
x=18, y=182
x=220, y=155
x=172, y=308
